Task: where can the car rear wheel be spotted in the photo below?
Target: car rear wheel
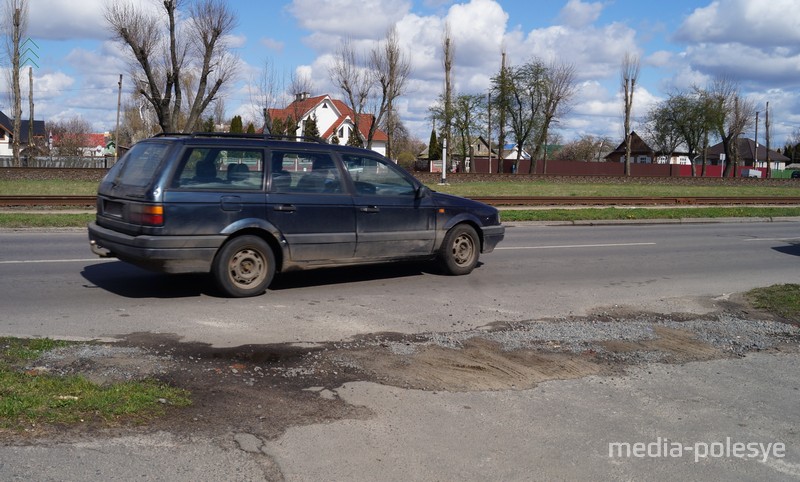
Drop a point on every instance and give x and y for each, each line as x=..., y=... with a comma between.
x=244, y=267
x=460, y=250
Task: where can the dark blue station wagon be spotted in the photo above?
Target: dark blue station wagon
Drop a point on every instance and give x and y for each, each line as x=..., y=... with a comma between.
x=246, y=207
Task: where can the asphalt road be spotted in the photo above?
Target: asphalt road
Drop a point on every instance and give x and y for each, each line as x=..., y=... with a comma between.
x=52, y=285
x=654, y=422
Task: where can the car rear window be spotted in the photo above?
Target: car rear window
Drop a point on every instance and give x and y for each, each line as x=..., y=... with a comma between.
x=139, y=165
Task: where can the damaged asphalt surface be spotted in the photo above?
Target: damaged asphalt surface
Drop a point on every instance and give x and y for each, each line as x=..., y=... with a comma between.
x=395, y=407
x=523, y=399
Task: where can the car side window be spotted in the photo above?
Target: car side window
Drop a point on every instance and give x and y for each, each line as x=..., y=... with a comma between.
x=304, y=172
x=221, y=169
x=373, y=176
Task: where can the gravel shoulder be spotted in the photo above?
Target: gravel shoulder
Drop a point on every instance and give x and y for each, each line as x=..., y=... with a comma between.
x=263, y=390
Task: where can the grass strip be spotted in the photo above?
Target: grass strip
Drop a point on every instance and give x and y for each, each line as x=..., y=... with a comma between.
x=11, y=220
x=591, y=214
x=29, y=398
x=782, y=300
x=638, y=189
x=48, y=187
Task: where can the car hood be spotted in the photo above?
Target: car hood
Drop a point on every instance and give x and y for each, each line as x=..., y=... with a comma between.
x=457, y=202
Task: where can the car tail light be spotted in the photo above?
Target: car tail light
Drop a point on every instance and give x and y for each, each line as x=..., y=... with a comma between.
x=147, y=214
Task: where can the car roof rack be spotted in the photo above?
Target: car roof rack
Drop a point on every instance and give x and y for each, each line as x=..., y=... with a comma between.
x=171, y=134
x=231, y=135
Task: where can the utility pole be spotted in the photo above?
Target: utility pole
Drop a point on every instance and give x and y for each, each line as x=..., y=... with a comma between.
x=15, y=40
x=30, y=114
x=448, y=100
x=755, y=154
x=766, y=133
x=489, y=141
x=116, y=130
x=501, y=139
x=443, y=180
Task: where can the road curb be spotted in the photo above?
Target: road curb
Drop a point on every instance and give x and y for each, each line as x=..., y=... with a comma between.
x=614, y=222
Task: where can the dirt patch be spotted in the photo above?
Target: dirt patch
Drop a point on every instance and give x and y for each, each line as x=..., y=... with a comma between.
x=678, y=346
x=264, y=389
x=478, y=365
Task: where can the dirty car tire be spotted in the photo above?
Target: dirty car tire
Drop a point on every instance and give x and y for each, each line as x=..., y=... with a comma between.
x=244, y=266
x=460, y=250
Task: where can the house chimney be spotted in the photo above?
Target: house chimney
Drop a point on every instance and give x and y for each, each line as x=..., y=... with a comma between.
x=301, y=96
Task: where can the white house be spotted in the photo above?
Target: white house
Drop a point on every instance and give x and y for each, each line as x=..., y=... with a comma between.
x=510, y=152
x=334, y=120
x=7, y=133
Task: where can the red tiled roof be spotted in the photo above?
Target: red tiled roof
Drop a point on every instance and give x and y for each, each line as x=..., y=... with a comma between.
x=299, y=108
x=96, y=139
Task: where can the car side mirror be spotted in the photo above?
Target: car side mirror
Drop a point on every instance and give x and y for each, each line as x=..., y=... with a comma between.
x=423, y=191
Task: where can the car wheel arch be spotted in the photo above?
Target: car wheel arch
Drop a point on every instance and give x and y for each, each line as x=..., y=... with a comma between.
x=271, y=236
x=455, y=221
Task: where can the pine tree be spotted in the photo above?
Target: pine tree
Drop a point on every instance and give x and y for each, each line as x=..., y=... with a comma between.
x=291, y=127
x=355, y=139
x=208, y=125
x=434, y=150
x=251, y=129
x=236, y=125
x=310, y=128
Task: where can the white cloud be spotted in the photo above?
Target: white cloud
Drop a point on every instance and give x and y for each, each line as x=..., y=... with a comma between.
x=775, y=66
x=61, y=20
x=577, y=14
x=755, y=43
x=774, y=23
x=661, y=58
x=596, y=52
x=235, y=41
x=272, y=44
x=51, y=85
x=477, y=31
x=356, y=18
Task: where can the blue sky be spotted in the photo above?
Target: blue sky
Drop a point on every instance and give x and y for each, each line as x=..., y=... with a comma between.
x=680, y=43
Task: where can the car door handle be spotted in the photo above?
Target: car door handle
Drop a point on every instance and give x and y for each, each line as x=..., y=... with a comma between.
x=289, y=208
x=370, y=209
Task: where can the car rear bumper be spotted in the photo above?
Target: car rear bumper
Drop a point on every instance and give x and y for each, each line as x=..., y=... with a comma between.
x=491, y=236
x=167, y=254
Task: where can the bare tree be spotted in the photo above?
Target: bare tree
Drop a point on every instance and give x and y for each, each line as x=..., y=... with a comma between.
x=559, y=85
x=349, y=74
x=264, y=90
x=660, y=130
x=792, y=147
x=629, y=77
x=448, y=52
x=16, y=15
x=501, y=99
x=300, y=84
x=200, y=47
x=468, y=115
x=70, y=136
x=525, y=85
x=391, y=68
x=730, y=115
x=586, y=149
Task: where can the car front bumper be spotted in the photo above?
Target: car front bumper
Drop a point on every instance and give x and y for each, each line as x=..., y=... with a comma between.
x=491, y=236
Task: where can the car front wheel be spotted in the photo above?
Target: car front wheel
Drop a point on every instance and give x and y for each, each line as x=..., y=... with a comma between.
x=460, y=250
x=244, y=267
